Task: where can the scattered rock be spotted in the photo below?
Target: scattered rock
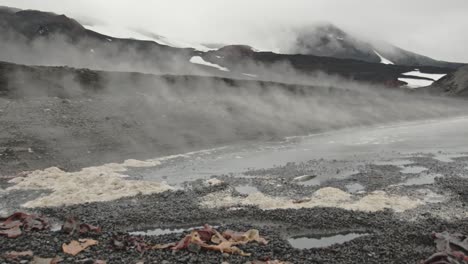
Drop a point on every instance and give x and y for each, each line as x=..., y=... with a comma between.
x=13, y=255
x=75, y=247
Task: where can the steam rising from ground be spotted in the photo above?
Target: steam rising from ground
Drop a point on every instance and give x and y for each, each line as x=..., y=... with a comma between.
x=75, y=112
x=58, y=50
x=78, y=117
x=88, y=117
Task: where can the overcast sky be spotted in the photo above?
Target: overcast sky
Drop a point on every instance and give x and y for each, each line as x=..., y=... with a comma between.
x=437, y=28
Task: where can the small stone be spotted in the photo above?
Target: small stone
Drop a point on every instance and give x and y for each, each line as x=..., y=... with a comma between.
x=195, y=248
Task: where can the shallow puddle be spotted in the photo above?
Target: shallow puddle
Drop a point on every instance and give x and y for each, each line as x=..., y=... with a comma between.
x=413, y=170
x=421, y=180
x=447, y=158
x=394, y=162
x=307, y=180
x=312, y=182
x=160, y=231
x=246, y=189
x=308, y=242
x=354, y=187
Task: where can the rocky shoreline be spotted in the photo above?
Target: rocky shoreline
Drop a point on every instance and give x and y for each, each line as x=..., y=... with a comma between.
x=388, y=236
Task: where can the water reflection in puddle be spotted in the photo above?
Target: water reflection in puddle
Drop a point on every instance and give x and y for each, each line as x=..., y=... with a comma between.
x=307, y=242
x=447, y=157
x=307, y=180
x=421, y=180
x=314, y=180
x=354, y=187
x=160, y=231
x=394, y=162
x=246, y=189
x=413, y=170
x=310, y=183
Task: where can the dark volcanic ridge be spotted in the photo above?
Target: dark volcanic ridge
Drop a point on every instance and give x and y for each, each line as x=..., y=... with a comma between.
x=39, y=38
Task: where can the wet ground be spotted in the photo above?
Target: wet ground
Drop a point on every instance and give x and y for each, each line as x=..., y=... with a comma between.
x=330, y=181
x=443, y=139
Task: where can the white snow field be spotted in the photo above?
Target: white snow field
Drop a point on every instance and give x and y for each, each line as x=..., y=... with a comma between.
x=201, y=61
x=126, y=33
x=382, y=59
x=416, y=83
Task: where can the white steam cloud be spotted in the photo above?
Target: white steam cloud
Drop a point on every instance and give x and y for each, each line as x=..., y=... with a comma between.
x=414, y=25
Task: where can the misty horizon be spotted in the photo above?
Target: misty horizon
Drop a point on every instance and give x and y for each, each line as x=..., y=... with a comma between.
x=410, y=26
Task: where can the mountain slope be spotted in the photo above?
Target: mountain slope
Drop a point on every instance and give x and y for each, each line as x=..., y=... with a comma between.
x=75, y=116
x=128, y=33
x=329, y=40
x=39, y=38
x=454, y=84
x=243, y=59
x=42, y=38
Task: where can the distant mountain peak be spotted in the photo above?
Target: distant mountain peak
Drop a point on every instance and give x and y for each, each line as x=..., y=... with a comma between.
x=328, y=40
x=9, y=9
x=32, y=23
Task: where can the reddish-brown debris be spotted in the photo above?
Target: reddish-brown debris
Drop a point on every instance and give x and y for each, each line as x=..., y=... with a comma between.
x=17, y=223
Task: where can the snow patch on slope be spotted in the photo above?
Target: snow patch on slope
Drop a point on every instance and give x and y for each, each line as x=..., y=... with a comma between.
x=118, y=32
x=201, y=61
x=250, y=75
x=382, y=59
x=125, y=33
x=417, y=83
x=433, y=76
